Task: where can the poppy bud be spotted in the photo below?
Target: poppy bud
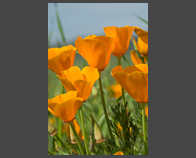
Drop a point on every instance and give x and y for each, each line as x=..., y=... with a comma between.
x=91, y=143
x=51, y=129
x=72, y=136
x=98, y=134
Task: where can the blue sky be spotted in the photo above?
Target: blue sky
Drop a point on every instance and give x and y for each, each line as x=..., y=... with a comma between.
x=83, y=19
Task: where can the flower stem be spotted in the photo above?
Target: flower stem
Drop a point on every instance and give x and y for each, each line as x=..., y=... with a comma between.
x=125, y=116
x=104, y=148
x=123, y=93
x=57, y=137
x=50, y=152
x=60, y=125
x=84, y=133
x=103, y=103
x=59, y=128
x=77, y=138
x=144, y=128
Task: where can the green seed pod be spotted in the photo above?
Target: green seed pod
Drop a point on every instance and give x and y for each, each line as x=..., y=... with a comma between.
x=91, y=143
x=98, y=134
x=51, y=129
x=72, y=136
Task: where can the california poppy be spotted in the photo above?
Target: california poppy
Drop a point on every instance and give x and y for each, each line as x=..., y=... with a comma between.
x=142, y=43
x=134, y=79
x=120, y=129
x=96, y=50
x=116, y=90
x=135, y=59
x=73, y=79
x=122, y=36
x=60, y=59
x=146, y=111
x=65, y=106
x=119, y=153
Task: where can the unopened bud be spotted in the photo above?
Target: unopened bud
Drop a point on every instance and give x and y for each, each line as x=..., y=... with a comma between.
x=56, y=146
x=91, y=143
x=72, y=136
x=51, y=129
x=98, y=134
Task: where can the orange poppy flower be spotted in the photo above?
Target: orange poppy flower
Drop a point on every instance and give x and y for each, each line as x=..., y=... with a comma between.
x=116, y=90
x=135, y=59
x=60, y=59
x=122, y=36
x=134, y=79
x=73, y=79
x=142, y=43
x=120, y=128
x=65, y=106
x=119, y=153
x=146, y=111
x=96, y=50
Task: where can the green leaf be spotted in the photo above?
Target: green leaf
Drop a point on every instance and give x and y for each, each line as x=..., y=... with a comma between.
x=59, y=25
x=49, y=38
x=126, y=60
x=142, y=19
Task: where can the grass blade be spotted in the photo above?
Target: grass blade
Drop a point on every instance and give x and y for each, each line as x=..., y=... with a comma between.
x=49, y=38
x=59, y=25
x=142, y=19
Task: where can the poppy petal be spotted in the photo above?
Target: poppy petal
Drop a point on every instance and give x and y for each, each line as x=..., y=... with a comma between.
x=70, y=50
x=72, y=74
x=139, y=67
x=91, y=74
x=59, y=63
x=135, y=59
x=67, y=110
x=67, y=84
x=138, y=86
x=84, y=88
x=93, y=51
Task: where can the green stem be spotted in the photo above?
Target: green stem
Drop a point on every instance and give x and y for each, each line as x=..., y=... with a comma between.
x=123, y=96
x=59, y=129
x=60, y=125
x=123, y=93
x=103, y=103
x=56, y=136
x=124, y=126
x=50, y=152
x=84, y=133
x=104, y=148
x=77, y=139
x=144, y=128
x=117, y=141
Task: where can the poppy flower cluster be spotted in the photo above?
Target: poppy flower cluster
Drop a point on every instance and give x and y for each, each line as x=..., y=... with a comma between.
x=97, y=51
